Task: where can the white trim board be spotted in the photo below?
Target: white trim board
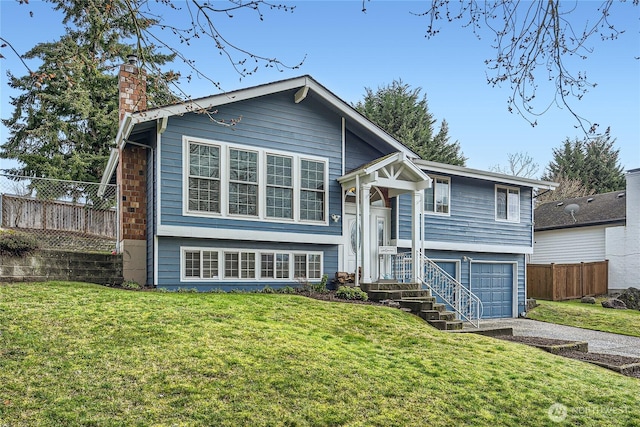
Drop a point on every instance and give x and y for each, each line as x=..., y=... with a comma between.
x=247, y=235
x=468, y=247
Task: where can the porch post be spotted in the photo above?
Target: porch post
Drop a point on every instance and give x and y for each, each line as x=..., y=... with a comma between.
x=365, y=192
x=416, y=228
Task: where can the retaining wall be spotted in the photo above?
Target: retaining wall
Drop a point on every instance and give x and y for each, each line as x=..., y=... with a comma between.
x=45, y=265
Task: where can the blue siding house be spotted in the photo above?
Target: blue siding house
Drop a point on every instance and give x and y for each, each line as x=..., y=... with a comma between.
x=285, y=182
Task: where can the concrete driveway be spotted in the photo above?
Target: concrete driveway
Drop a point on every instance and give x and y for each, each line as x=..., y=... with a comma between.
x=599, y=342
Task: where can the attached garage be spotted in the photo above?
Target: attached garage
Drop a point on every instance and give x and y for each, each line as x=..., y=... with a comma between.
x=494, y=284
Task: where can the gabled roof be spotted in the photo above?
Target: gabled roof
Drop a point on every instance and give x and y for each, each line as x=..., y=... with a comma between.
x=599, y=209
x=393, y=171
x=304, y=84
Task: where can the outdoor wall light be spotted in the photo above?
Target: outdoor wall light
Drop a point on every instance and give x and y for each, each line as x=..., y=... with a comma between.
x=335, y=217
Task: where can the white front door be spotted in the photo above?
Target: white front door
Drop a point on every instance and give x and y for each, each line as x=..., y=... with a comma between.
x=379, y=221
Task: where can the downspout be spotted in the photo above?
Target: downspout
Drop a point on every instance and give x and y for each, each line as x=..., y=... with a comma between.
x=357, y=251
x=162, y=126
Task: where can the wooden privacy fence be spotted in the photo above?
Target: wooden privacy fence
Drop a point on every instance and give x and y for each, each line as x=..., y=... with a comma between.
x=557, y=282
x=27, y=213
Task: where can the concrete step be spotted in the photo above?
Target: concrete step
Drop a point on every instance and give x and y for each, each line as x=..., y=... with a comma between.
x=417, y=305
x=448, y=315
x=438, y=324
x=454, y=325
x=446, y=325
x=389, y=286
x=429, y=315
x=380, y=295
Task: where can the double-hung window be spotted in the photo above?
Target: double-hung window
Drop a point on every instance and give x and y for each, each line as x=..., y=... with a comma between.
x=204, y=178
x=311, y=190
x=436, y=198
x=230, y=180
x=279, y=186
x=243, y=182
x=507, y=204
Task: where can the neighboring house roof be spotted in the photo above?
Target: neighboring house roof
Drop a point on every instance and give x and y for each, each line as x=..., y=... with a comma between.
x=598, y=209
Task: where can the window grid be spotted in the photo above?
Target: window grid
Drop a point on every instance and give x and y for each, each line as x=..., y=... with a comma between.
x=231, y=265
x=315, y=268
x=209, y=264
x=223, y=179
x=248, y=265
x=282, y=266
x=243, y=182
x=192, y=264
x=204, y=178
x=311, y=190
x=240, y=264
x=299, y=266
x=279, y=187
x=267, y=266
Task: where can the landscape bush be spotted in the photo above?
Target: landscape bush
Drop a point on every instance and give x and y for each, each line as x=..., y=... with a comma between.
x=14, y=243
x=349, y=293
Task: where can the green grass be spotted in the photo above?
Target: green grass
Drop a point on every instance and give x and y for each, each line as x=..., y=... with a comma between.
x=588, y=316
x=77, y=354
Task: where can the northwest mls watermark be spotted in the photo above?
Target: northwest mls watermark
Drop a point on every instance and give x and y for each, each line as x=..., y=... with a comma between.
x=559, y=412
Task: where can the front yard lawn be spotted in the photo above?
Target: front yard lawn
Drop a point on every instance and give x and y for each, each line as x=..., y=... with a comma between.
x=588, y=316
x=76, y=354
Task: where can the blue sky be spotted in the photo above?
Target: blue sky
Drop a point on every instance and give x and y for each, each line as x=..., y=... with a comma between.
x=347, y=50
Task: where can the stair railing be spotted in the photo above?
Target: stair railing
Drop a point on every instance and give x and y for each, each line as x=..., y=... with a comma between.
x=464, y=302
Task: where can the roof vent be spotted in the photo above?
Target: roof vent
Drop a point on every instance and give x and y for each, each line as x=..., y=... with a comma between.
x=560, y=204
x=590, y=199
x=620, y=195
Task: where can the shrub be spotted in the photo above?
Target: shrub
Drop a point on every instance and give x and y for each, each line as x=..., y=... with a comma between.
x=131, y=284
x=286, y=290
x=14, y=243
x=267, y=290
x=349, y=293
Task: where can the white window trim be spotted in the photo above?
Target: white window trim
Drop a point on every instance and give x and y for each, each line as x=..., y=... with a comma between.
x=262, y=182
x=258, y=267
x=495, y=203
x=433, y=185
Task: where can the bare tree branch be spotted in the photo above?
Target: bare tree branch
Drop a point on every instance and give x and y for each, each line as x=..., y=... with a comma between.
x=529, y=35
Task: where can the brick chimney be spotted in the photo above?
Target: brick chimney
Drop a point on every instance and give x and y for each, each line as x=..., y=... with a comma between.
x=132, y=176
x=132, y=87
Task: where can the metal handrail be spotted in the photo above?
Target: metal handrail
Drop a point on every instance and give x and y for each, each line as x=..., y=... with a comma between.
x=464, y=302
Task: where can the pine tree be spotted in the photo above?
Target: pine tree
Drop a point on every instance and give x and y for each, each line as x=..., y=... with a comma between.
x=404, y=114
x=592, y=161
x=65, y=118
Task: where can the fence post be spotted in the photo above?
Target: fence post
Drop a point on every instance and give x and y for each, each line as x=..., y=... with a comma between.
x=554, y=283
x=582, y=279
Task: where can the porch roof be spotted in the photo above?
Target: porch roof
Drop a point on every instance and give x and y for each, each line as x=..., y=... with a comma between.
x=394, y=171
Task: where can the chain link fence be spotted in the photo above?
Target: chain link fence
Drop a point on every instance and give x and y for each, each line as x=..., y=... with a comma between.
x=65, y=215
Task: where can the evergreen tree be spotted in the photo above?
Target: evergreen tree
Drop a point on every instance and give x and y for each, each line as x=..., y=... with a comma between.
x=65, y=118
x=404, y=114
x=592, y=161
